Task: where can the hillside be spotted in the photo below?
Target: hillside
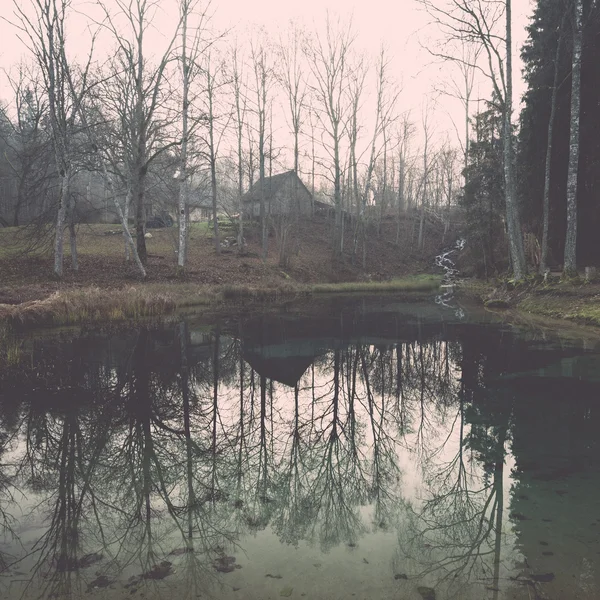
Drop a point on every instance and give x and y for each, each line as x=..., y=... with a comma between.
x=28, y=276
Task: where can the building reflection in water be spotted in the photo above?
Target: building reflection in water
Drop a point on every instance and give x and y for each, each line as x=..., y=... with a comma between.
x=162, y=452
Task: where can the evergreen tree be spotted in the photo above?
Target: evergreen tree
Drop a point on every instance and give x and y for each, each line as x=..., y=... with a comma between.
x=551, y=20
x=483, y=194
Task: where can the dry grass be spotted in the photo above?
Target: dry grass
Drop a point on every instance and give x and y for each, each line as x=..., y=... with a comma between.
x=10, y=348
x=409, y=284
x=94, y=305
x=89, y=305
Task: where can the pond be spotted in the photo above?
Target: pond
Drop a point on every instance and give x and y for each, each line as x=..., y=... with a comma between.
x=368, y=449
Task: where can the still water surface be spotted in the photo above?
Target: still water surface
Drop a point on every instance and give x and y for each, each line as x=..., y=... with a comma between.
x=360, y=449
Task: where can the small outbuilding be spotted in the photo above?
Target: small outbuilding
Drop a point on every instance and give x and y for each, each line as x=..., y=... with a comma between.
x=284, y=194
x=200, y=210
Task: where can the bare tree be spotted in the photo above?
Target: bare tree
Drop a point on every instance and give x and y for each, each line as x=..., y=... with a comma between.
x=384, y=115
x=480, y=23
x=386, y=101
x=213, y=69
x=356, y=84
x=466, y=59
x=136, y=112
x=44, y=33
x=90, y=131
x=294, y=84
x=313, y=156
x=447, y=165
x=427, y=167
x=263, y=73
x=240, y=102
x=405, y=133
x=329, y=58
x=185, y=8
x=194, y=44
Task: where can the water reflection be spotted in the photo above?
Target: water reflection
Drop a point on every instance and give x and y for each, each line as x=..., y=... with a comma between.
x=385, y=455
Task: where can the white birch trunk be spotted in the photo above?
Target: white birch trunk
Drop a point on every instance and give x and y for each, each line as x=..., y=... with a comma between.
x=126, y=218
x=73, y=233
x=183, y=182
x=240, y=111
x=570, y=263
x=124, y=221
x=212, y=153
x=60, y=225
x=513, y=221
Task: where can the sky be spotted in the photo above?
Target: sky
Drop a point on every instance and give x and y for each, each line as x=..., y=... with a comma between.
x=400, y=25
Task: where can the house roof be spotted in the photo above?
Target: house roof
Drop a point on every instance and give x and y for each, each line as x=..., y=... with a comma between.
x=200, y=203
x=272, y=185
x=286, y=370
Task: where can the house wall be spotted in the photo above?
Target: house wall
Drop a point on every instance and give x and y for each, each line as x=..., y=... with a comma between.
x=282, y=201
x=200, y=214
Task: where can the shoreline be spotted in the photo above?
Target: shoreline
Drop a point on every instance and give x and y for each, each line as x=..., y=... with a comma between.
x=571, y=303
x=91, y=304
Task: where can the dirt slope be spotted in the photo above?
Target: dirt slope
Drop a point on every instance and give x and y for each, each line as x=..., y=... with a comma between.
x=102, y=264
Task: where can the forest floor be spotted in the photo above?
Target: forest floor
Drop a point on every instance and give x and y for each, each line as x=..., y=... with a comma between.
x=104, y=277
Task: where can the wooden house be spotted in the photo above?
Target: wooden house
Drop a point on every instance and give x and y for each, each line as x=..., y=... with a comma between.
x=200, y=210
x=284, y=194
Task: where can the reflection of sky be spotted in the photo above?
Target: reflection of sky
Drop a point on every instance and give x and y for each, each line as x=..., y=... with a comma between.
x=415, y=449
x=318, y=509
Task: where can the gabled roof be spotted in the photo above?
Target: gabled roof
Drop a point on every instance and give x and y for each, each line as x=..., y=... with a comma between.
x=287, y=370
x=273, y=185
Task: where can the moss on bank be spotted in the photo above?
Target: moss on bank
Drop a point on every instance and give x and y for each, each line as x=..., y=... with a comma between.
x=582, y=310
x=95, y=305
x=572, y=300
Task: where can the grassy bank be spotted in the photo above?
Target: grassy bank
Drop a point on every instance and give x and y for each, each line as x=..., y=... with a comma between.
x=575, y=305
x=418, y=283
x=148, y=300
x=88, y=305
x=575, y=301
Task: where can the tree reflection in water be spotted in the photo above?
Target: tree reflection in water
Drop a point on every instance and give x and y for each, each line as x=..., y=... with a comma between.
x=157, y=450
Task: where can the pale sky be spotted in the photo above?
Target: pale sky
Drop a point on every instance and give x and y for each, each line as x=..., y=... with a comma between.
x=401, y=25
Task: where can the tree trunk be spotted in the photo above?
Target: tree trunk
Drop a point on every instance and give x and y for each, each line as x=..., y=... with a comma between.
x=312, y=170
x=337, y=191
x=125, y=217
x=546, y=200
x=513, y=220
x=73, y=245
x=401, y=202
x=183, y=182
x=140, y=216
x=261, y=165
x=60, y=224
x=240, y=158
x=108, y=182
x=570, y=263
x=73, y=231
x=213, y=191
x=383, y=195
x=420, y=242
x=20, y=198
x=125, y=224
